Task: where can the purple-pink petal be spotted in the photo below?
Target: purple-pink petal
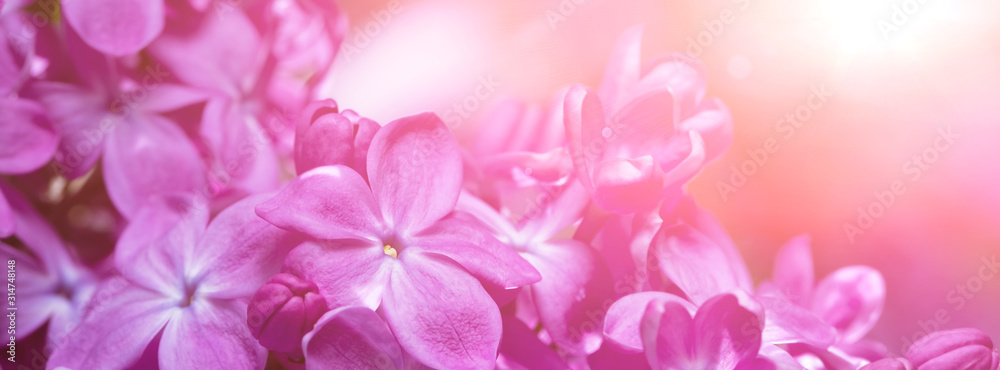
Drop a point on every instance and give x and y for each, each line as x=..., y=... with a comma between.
x=147, y=156
x=347, y=272
x=27, y=139
x=623, y=321
x=210, y=335
x=116, y=27
x=573, y=295
x=481, y=254
x=415, y=169
x=851, y=299
x=331, y=202
x=440, y=314
x=116, y=330
x=352, y=338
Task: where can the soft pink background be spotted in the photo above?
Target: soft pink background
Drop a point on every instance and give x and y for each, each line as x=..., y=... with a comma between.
x=940, y=69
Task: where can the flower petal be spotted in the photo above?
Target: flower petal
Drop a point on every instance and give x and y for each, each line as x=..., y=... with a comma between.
x=441, y=315
x=153, y=250
x=352, y=338
x=328, y=141
x=573, y=294
x=116, y=330
x=624, y=318
x=682, y=74
x=348, y=273
x=116, y=27
x=714, y=124
x=702, y=220
x=179, y=220
x=7, y=223
x=627, y=186
x=35, y=231
x=965, y=348
x=793, y=270
x=521, y=348
x=11, y=74
x=585, y=124
x=622, y=71
x=226, y=43
x=239, y=251
x=27, y=139
x=695, y=263
x=668, y=335
x=889, y=364
x=557, y=215
x=786, y=322
x=331, y=202
x=851, y=299
x=727, y=333
x=243, y=156
x=478, y=252
x=210, y=334
x=149, y=156
x=415, y=169
x=79, y=117
x=645, y=123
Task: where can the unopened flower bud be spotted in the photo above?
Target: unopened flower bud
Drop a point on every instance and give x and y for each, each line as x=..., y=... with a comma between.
x=283, y=310
x=954, y=349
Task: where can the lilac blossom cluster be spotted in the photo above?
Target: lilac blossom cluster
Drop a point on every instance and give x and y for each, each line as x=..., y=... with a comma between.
x=264, y=228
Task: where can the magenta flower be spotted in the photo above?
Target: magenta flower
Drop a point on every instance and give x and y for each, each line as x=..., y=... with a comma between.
x=238, y=123
x=100, y=116
x=646, y=132
x=52, y=286
x=850, y=300
x=721, y=335
x=954, y=349
x=576, y=287
x=692, y=256
x=391, y=244
x=186, y=280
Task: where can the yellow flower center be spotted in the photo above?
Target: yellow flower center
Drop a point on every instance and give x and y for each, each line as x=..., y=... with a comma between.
x=390, y=251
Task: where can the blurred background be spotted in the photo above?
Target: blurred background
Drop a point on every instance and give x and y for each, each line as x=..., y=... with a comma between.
x=880, y=119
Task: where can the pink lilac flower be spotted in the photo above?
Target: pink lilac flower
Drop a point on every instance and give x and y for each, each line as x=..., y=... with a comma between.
x=965, y=348
x=850, y=299
x=99, y=115
x=721, y=335
x=575, y=288
x=391, y=245
x=183, y=282
x=236, y=118
x=692, y=259
x=52, y=286
x=646, y=132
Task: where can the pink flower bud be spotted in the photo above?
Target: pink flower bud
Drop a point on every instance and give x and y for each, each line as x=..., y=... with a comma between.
x=954, y=349
x=325, y=136
x=283, y=310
